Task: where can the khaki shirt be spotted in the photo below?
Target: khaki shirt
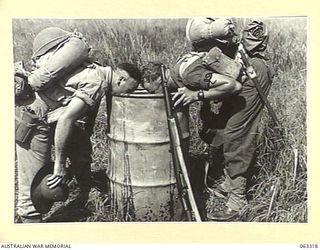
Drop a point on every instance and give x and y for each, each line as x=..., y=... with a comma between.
x=89, y=83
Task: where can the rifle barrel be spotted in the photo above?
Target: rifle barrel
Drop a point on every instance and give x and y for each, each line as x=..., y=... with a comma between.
x=176, y=151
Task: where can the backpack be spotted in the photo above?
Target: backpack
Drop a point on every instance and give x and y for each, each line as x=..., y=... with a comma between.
x=67, y=56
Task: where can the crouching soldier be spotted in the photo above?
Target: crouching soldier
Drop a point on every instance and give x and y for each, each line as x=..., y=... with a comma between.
x=204, y=75
x=194, y=76
x=68, y=89
x=213, y=79
x=239, y=116
x=236, y=126
x=243, y=115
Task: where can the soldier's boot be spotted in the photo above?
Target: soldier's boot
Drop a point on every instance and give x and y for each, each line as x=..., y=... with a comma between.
x=236, y=201
x=223, y=190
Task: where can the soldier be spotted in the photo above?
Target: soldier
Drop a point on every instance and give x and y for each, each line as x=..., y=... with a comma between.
x=236, y=125
x=64, y=109
x=242, y=122
x=193, y=77
x=190, y=75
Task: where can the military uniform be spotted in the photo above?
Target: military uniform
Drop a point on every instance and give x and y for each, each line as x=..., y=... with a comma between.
x=191, y=72
x=236, y=124
x=89, y=83
x=241, y=130
x=239, y=120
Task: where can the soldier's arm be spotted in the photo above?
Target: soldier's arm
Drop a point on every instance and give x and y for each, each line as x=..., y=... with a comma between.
x=75, y=110
x=220, y=86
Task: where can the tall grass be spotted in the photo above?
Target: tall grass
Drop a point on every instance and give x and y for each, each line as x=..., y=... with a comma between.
x=279, y=192
x=112, y=40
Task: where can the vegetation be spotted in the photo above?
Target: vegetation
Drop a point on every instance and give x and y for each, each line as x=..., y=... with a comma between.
x=279, y=190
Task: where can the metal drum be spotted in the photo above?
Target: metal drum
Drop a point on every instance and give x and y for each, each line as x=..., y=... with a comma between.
x=140, y=170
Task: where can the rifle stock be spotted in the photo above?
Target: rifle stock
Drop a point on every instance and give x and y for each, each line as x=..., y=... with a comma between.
x=180, y=168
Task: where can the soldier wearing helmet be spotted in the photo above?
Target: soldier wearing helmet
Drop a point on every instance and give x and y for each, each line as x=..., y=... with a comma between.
x=195, y=79
x=233, y=128
x=241, y=115
x=204, y=33
x=68, y=89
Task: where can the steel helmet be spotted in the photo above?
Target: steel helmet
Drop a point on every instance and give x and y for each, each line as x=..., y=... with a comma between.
x=47, y=39
x=207, y=28
x=41, y=195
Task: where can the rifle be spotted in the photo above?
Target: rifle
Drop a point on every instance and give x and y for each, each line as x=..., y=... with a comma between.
x=253, y=76
x=180, y=169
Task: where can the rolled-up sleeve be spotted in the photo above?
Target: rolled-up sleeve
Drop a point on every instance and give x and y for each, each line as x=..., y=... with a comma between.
x=90, y=85
x=197, y=77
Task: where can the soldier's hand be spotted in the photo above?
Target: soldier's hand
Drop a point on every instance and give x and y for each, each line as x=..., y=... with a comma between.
x=184, y=96
x=59, y=175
